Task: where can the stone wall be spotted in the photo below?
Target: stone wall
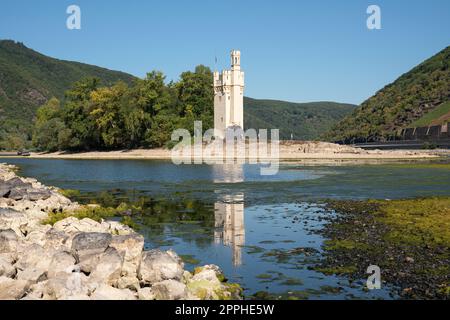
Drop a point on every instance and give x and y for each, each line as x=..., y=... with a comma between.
x=427, y=133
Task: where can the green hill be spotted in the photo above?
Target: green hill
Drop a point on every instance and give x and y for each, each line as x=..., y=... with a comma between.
x=305, y=121
x=28, y=79
x=398, y=105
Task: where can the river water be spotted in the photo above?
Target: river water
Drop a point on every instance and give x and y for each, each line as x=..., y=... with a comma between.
x=256, y=228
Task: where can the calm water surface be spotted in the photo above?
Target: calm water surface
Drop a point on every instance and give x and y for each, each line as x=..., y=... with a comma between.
x=254, y=227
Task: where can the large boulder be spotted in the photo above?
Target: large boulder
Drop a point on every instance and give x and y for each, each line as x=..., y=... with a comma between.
x=57, y=240
x=17, y=182
x=38, y=194
x=12, y=289
x=157, y=266
x=34, y=256
x=169, y=290
x=36, y=291
x=105, y=292
x=116, y=228
x=4, y=190
x=130, y=247
x=66, y=286
x=62, y=262
x=12, y=219
x=108, y=268
x=32, y=275
x=8, y=241
x=6, y=267
x=72, y=225
x=87, y=248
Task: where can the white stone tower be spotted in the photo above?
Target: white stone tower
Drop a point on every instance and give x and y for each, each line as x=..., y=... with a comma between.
x=229, y=96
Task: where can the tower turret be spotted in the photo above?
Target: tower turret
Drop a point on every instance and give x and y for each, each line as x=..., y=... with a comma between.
x=229, y=96
x=235, y=60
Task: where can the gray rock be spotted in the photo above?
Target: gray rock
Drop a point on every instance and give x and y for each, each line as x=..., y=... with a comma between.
x=6, y=267
x=169, y=290
x=32, y=275
x=12, y=289
x=66, y=286
x=38, y=194
x=4, y=190
x=8, y=241
x=16, y=182
x=62, y=262
x=56, y=239
x=130, y=247
x=88, y=246
x=12, y=219
x=34, y=256
x=108, y=268
x=17, y=194
x=157, y=266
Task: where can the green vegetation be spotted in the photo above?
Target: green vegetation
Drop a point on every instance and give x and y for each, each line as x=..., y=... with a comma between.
x=399, y=104
x=437, y=116
x=29, y=79
x=306, y=121
x=122, y=116
x=188, y=258
x=417, y=221
x=408, y=239
x=94, y=213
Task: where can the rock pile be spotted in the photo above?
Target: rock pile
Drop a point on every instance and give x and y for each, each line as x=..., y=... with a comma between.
x=85, y=259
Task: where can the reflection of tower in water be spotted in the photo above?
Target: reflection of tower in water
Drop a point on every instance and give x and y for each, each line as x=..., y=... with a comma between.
x=229, y=223
x=229, y=211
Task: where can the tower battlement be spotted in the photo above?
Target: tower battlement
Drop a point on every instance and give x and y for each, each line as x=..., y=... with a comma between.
x=229, y=96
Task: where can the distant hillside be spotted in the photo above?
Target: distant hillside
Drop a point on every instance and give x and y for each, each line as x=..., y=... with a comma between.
x=305, y=121
x=28, y=79
x=398, y=105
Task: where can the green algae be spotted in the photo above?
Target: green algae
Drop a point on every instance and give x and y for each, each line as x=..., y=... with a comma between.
x=188, y=258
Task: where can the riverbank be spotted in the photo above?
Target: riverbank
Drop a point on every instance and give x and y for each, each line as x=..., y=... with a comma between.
x=288, y=150
x=84, y=259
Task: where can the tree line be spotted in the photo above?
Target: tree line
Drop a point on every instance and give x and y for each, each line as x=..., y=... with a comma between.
x=144, y=114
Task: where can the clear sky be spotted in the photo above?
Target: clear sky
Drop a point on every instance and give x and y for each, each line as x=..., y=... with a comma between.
x=291, y=50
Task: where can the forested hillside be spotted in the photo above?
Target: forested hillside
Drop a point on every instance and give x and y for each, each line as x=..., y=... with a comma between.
x=413, y=95
x=29, y=79
x=305, y=121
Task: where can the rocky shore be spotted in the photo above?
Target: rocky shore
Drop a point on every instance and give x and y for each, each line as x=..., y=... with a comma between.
x=84, y=259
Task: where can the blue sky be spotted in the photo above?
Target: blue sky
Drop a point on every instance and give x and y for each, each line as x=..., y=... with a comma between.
x=291, y=50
